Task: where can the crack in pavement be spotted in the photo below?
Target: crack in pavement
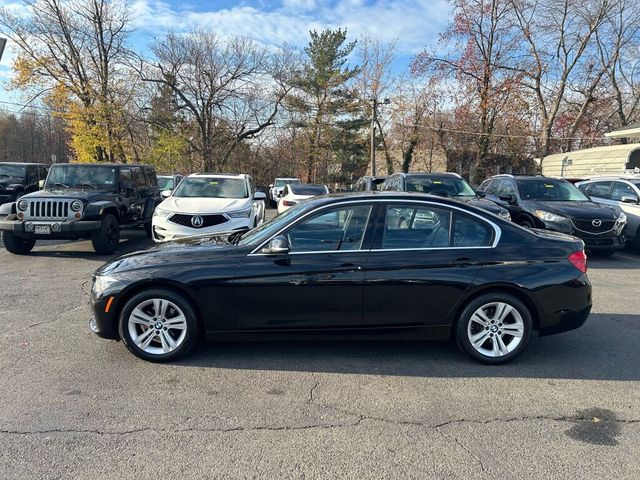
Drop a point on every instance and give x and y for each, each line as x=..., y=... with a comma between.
x=461, y=445
x=37, y=324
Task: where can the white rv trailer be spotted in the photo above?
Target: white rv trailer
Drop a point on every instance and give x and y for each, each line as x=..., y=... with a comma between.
x=593, y=162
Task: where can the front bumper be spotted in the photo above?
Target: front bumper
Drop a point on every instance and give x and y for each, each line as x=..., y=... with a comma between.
x=165, y=231
x=103, y=320
x=614, y=239
x=58, y=229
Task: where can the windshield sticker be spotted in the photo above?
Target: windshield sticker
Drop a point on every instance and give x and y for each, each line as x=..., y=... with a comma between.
x=549, y=185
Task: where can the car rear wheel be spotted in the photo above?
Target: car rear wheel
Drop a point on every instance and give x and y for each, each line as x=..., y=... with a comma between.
x=105, y=241
x=494, y=328
x=17, y=245
x=158, y=325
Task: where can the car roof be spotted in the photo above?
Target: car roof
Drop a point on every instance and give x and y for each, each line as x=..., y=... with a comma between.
x=432, y=175
x=114, y=165
x=218, y=175
x=611, y=177
x=380, y=195
x=26, y=163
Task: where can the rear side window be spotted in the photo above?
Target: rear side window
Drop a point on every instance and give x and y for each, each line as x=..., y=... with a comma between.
x=408, y=226
x=138, y=177
x=506, y=188
x=125, y=176
x=469, y=231
x=152, y=180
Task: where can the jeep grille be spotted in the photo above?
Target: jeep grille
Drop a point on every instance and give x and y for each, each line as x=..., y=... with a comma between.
x=48, y=210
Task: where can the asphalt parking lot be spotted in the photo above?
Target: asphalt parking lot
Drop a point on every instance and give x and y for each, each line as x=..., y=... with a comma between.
x=76, y=406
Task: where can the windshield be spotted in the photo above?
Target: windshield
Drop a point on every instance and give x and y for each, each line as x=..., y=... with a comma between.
x=78, y=175
x=211, y=187
x=165, y=183
x=281, y=182
x=302, y=189
x=267, y=229
x=12, y=170
x=446, y=187
x=636, y=183
x=548, y=190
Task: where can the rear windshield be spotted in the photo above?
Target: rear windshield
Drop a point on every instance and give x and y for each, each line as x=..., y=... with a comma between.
x=446, y=187
x=548, y=190
x=307, y=189
x=281, y=182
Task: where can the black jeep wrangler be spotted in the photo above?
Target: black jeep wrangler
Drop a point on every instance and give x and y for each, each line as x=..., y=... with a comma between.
x=92, y=201
x=17, y=179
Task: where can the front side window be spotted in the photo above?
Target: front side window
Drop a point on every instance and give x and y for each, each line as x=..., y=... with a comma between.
x=622, y=190
x=12, y=171
x=165, y=183
x=332, y=230
x=599, y=189
x=212, y=187
x=408, y=226
x=125, y=177
x=506, y=189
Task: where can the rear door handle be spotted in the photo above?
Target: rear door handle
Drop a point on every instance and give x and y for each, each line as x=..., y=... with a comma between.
x=464, y=262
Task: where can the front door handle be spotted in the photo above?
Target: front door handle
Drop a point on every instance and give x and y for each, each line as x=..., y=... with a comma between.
x=464, y=262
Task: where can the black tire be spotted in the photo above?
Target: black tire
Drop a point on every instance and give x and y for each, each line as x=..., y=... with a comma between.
x=526, y=222
x=105, y=241
x=603, y=253
x=192, y=330
x=17, y=245
x=462, y=326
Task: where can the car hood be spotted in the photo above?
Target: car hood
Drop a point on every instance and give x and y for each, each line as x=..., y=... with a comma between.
x=583, y=210
x=179, y=252
x=6, y=181
x=204, y=205
x=482, y=203
x=88, y=195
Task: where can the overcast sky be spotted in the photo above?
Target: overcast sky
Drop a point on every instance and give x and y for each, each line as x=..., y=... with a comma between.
x=413, y=23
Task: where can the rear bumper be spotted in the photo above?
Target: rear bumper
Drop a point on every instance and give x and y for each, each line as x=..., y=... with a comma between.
x=564, y=307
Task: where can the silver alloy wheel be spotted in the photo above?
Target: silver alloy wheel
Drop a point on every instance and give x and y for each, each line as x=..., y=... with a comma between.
x=157, y=326
x=495, y=329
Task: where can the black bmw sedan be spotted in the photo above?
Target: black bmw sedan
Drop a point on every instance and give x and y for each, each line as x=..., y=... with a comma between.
x=341, y=266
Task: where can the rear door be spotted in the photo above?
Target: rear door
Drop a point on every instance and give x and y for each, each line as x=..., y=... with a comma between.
x=423, y=258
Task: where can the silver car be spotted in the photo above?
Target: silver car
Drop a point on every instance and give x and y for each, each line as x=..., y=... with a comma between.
x=621, y=193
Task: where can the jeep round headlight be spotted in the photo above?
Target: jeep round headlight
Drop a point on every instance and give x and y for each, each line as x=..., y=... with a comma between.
x=76, y=206
x=23, y=205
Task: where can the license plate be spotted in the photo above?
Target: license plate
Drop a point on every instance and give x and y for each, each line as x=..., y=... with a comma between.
x=42, y=229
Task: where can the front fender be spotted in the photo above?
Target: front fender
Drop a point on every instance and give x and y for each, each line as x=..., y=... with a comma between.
x=8, y=209
x=96, y=209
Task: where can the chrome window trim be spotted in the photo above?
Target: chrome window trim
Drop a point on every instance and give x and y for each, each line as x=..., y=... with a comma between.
x=497, y=230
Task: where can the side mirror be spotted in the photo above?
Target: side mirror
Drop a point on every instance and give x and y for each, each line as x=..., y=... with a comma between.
x=271, y=185
x=508, y=198
x=166, y=193
x=481, y=194
x=259, y=196
x=629, y=199
x=277, y=245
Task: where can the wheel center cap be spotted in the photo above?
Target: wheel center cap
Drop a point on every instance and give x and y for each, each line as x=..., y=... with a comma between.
x=494, y=328
x=158, y=326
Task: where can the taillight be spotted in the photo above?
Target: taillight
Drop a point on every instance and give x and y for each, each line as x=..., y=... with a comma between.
x=579, y=260
x=288, y=203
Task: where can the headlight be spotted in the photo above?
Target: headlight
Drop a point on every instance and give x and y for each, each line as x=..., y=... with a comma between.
x=549, y=217
x=76, y=206
x=504, y=214
x=102, y=283
x=244, y=213
x=622, y=218
x=23, y=205
x=161, y=212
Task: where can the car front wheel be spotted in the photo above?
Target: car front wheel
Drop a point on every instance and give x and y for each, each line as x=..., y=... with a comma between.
x=17, y=245
x=494, y=328
x=105, y=241
x=158, y=325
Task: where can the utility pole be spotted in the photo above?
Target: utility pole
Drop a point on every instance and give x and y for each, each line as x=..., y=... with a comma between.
x=374, y=119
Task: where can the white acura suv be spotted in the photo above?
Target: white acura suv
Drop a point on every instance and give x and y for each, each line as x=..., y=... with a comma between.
x=208, y=204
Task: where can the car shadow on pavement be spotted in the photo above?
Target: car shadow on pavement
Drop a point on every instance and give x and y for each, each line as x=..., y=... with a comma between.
x=605, y=348
x=131, y=242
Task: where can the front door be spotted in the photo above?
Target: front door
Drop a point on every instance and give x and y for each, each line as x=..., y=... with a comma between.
x=423, y=258
x=317, y=284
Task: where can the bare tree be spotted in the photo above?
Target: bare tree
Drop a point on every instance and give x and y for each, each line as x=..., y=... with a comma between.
x=231, y=88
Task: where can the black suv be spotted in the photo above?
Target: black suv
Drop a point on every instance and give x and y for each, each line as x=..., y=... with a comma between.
x=556, y=204
x=93, y=201
x=368, y=184
x=449, y=185
x=17, y=179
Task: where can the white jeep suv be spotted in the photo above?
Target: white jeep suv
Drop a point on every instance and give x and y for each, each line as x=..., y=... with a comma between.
x=208, y=204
